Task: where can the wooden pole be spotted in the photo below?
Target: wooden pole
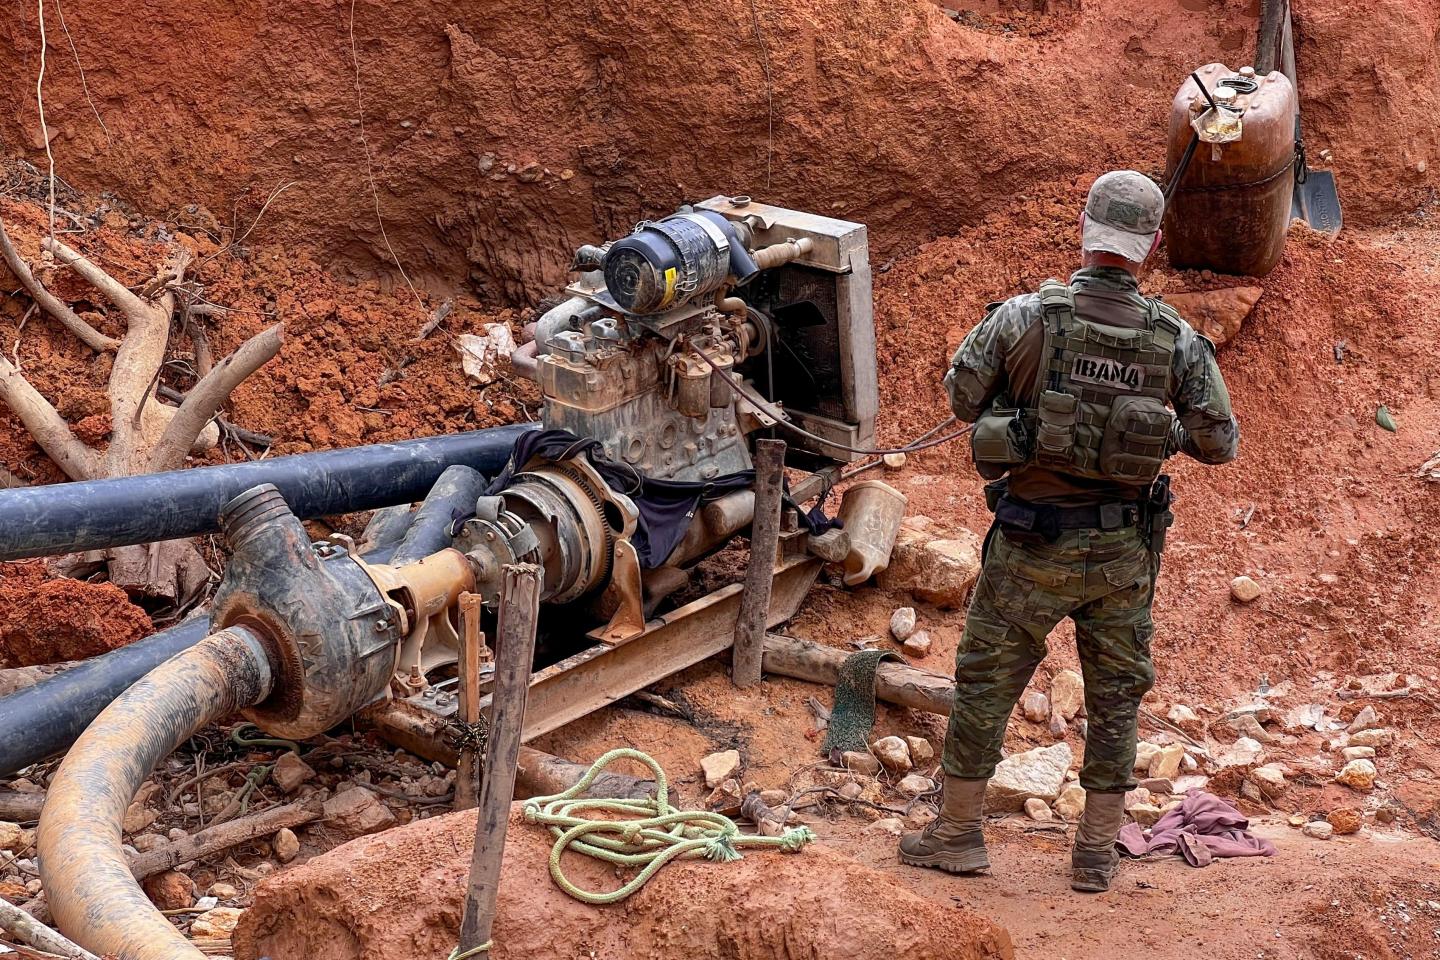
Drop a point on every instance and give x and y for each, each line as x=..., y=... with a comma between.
x=764, y=544
x=472, y=654
x=519, y=616
x=896, y=683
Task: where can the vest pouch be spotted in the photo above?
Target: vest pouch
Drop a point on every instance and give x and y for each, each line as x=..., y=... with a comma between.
x=1055, y=428
x=999, y=441
x=1136, y=438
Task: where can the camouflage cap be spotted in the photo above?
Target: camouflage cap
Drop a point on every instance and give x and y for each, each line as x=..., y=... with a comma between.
x=1122, y=214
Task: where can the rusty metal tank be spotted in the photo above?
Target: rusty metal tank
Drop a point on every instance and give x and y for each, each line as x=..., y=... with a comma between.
x=1231, y=210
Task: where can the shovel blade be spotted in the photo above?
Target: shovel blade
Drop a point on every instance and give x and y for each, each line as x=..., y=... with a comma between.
x=1317, y=202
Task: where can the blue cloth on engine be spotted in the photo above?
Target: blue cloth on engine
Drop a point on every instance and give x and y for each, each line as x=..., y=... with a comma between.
x=666, y=507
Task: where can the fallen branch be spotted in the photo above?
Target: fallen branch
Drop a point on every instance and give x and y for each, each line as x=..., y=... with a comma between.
x=18, y=807
x=768, y=821
x=206, y=397
x=50, y=303
x=436, y=318
x=212, y=840
x=45, y=425
x=253, y=437
x=1382, y=695
x=39, y=936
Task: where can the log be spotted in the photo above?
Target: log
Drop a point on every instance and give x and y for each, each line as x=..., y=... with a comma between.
x=895, y=683
x=18, y=807
x=750, y=626
x=515, y=638
x=31, y=931
x=230, y=834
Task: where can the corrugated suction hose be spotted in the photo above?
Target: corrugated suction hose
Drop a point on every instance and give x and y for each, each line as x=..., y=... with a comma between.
x=93, y=897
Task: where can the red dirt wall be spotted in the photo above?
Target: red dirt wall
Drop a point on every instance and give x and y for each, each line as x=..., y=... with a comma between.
x=501, y=142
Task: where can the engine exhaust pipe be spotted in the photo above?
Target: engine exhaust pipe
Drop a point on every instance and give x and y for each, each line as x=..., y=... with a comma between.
x=99, y=514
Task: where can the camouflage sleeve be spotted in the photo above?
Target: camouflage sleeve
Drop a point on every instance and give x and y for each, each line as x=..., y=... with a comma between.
x=1207, y=429
x=977, y=371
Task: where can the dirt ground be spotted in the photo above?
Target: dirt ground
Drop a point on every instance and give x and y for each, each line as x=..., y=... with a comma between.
x=965, y=139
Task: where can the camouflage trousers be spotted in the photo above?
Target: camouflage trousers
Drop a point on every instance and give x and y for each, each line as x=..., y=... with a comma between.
x=1105, y=582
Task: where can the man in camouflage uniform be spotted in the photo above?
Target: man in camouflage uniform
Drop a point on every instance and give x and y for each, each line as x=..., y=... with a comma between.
x=1071, y=391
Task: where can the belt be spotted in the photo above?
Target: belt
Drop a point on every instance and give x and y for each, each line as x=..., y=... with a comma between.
x=1102, y=516
x=1047, y=520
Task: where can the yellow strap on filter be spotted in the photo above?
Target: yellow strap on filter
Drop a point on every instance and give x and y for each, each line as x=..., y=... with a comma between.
x=649, y=833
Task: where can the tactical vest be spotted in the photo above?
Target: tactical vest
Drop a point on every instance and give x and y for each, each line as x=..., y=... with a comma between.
x=1102, y=392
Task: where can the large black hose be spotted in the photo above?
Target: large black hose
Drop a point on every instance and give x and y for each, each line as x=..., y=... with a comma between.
x=97, y=514
x=453, y=496
x=93, y=896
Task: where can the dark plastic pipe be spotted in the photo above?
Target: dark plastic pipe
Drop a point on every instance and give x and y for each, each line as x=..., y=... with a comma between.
x=453, y=496
x=97, y=514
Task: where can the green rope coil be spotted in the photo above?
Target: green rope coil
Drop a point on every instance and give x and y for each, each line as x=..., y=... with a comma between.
x=652, y=834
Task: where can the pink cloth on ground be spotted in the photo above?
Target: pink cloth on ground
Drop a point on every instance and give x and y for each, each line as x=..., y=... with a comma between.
x=1201, y=828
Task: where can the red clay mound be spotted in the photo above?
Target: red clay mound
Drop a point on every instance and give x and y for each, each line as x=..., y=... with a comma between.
x=500, y=142
x=399, y=894
x=47, y=621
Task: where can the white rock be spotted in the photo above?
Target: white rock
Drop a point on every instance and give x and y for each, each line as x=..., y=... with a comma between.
x=1245, y=725
x=1358, y=775
x=1244, y=590
x=1144, y=753
x=891, y=825
x=917, y=645
x=719, y=767
x=1035, y=773
x=1366, y=719
x=1067, y=694
x=1035, y=706
x=1376, y=738
x=1182, y=716
x=1135, y=797
x=920, y=749
x=913, y=785
x=207, y=903
x=859, y=762
x=1319, y=829
x=1038, y=810
x=1145, y=814
x=1269, y=780
x=1194, y=782
x=893, y=461
x=938, y=571
x=1358, y=753
x=1166, y=763
x=286, y=845
x=14, y=837
x=893, y=754
x=1243, y=751
x=224, y=891
x=902, y=623
x=215, y=924
x=1071, y=802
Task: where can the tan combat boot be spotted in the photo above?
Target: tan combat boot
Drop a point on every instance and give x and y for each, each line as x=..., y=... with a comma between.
x=953, y=841
x=1094, y=859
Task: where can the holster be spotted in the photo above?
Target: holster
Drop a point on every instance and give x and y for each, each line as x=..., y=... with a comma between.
x=1158, y=516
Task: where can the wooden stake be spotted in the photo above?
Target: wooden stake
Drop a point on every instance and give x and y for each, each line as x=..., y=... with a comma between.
x=764, y=544
x=515, y=641
x=473, y=652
